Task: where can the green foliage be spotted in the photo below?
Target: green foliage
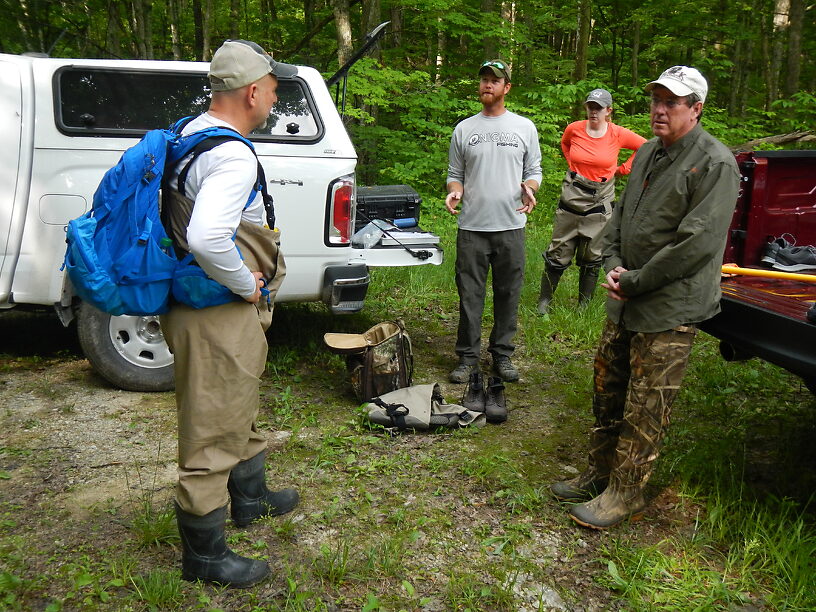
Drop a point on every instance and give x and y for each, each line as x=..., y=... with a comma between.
x=795, y=113
x=410, y=109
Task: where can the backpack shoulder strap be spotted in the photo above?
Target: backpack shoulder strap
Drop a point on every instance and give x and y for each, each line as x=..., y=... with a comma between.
x=208, y=140
x=208, y=144
x=179, y=125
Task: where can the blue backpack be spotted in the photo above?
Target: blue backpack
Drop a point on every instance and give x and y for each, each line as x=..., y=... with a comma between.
x=119, y=257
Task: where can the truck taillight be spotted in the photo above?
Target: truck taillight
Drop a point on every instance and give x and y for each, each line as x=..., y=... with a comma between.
x=341, y=213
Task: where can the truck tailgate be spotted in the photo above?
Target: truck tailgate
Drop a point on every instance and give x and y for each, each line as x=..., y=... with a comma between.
x=766, y=318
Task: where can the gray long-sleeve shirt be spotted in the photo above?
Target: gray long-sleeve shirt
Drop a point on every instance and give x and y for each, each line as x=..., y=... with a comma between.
x=491, y=156
x=669, y=232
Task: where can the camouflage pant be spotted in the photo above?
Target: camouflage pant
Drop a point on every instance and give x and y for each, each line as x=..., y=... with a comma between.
x=637, y=377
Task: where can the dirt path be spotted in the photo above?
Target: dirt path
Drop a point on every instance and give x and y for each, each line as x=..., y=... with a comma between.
x=464, y=518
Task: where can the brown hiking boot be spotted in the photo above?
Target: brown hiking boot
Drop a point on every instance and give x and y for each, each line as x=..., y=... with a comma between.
x=611, y=507
x=495, y=402
x=461, y=373
x=475, y=395
x=505, y=369
x=583, y=487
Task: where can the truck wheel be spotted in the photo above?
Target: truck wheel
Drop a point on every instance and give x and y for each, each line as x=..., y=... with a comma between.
x=128, y=351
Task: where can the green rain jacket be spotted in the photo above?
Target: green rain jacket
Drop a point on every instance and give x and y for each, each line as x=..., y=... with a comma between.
x=669, y=232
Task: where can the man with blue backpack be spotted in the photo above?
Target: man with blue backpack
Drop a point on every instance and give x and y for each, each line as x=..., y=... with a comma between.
x=220, y=351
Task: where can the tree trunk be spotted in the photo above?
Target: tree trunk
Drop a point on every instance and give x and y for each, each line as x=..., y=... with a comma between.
x=206, y=37
x=737, y=73
x=633, y=106
x=781, y=23
x=635, y=51
x=615, y=67
x=198, y=29
x=173, y=16
x=582, y=42
x=440, y=51
x=396, y=25
x=267, y=17
x=113, y=44
x=315, y=31
x=778, y=139
x=766, y=62
x=308, y=13
x=525, y=60
x=342, y=21
x=142, y=29
x=488, y=42
x=508, y=21
x=137, y=28
x=797, y=16
x=371, y=16
x=235, y=19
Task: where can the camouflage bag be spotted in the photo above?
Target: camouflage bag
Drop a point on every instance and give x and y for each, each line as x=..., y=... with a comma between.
x=379, y=360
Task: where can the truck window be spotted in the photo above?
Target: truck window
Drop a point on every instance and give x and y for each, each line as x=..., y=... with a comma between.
x=105, y=102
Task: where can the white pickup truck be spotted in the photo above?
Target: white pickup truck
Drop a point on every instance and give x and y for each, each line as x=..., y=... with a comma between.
x=66, y=121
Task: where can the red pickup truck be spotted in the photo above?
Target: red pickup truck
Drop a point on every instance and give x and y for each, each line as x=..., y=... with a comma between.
x=763, y=317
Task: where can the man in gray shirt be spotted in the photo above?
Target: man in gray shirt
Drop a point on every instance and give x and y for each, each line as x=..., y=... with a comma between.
x=494, y=171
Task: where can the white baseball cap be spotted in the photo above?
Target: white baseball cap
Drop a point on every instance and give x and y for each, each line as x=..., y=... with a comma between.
x=682, y=81
x=238, y=63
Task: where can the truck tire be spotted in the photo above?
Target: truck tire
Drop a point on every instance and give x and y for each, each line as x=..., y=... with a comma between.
x=128, y=351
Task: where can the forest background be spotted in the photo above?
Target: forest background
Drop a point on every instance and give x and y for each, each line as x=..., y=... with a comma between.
x=406, y=97
x=708, y=543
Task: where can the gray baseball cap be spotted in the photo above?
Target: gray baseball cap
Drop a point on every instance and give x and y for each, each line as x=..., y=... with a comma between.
x=682, y=81
x=238, y=63
x=600, y=96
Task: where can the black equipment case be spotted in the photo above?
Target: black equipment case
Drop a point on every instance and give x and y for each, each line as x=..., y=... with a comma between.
x=398, y=204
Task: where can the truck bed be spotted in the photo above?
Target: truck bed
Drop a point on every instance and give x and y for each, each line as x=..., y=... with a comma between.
x=763, y=317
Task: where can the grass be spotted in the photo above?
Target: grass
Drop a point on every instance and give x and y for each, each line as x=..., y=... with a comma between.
x=456, y=520
x=159, y=590
x=741, y=551
x=153, y=521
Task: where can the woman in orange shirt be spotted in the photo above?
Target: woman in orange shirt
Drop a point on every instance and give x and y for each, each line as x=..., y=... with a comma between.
x=591, y=147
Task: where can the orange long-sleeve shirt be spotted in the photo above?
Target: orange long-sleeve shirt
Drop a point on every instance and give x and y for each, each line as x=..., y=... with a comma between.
x=597, y=158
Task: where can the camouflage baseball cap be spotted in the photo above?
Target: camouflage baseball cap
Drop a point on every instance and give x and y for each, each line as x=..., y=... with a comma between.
x=497, y=67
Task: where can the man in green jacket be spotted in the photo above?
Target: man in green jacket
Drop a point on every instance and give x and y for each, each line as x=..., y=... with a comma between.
x=663, y=252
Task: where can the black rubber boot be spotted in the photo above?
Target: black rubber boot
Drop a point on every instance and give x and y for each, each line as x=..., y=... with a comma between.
x=249, y=497
x=587, y=281
x=205, y=555
x=549, y=282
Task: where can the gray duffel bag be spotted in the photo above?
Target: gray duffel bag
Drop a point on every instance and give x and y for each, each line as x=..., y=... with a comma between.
x=420, y=407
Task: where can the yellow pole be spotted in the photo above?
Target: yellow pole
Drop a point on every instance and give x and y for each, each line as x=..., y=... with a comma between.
x=732, y=269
